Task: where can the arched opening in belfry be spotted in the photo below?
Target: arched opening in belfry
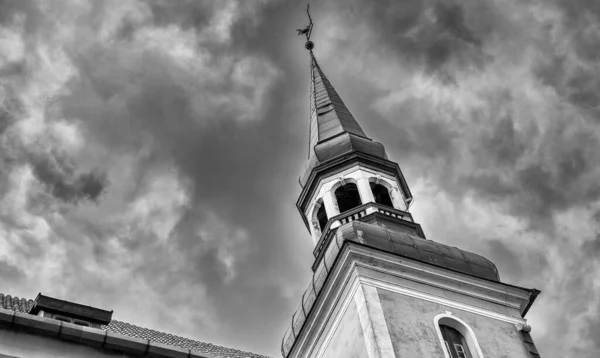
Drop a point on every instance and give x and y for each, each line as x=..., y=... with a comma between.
x=347, y=197
x=381, y=194
x=322, y=217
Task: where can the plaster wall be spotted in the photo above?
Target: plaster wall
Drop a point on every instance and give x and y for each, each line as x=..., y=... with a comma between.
x=347, y=341
x=19, y=344
x=410, y=322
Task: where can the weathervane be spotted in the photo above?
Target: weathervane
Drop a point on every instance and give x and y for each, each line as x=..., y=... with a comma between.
x=307, y=31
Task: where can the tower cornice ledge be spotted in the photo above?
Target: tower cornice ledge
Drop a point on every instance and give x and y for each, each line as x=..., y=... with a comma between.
x=378, y=213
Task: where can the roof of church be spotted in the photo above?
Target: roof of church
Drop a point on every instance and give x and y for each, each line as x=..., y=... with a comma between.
x=333, y=117
x=333, y=129
x=24, y=305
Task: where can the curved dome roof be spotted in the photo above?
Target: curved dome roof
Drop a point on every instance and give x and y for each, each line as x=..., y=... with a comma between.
x=420, y=249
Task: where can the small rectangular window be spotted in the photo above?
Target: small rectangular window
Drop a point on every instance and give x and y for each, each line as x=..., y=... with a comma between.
x=460, y=351
x=62, y=318
x=81, y=323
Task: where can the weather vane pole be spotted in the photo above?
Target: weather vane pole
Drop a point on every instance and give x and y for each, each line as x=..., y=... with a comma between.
x=307, y=31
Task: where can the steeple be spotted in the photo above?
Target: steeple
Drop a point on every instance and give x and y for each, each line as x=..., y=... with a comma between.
x=329, y=115
x=380, y=289
x=336, y=143
x=333, y=129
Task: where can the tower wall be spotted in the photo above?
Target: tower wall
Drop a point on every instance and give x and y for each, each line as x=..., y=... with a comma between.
x=412, y=328
x=379, y=305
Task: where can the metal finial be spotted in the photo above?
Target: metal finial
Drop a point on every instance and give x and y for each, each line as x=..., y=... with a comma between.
x=307, y=31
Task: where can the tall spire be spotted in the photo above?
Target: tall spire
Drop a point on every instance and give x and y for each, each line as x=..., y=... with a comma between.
x=333, y=129
x=329, y=115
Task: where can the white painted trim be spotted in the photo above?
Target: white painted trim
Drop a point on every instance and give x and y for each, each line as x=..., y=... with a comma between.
x=463, y=328
x=372, y=320
x=318, y=326
x=355, y=172
x=392, y=187
x=338, y=317
x=314, y=210
x=440, y=300
x=416, y=267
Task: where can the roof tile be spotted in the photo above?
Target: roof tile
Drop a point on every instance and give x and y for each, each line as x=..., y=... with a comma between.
x=23, y=305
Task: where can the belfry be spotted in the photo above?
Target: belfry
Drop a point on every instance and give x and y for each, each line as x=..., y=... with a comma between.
x=380, y=288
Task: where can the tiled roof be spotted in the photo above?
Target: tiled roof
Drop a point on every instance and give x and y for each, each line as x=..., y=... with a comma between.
x=23, y=305
x=173, y=340
x=15, y=303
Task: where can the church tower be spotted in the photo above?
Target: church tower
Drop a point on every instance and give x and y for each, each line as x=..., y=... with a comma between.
x=380, y=288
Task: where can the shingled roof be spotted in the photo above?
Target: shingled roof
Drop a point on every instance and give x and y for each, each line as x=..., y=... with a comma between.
x=24, y=305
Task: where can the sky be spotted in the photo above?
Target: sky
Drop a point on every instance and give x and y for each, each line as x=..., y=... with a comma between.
x=150, y=151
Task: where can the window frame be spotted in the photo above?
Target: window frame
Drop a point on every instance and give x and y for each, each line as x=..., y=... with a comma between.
x=340, y=185
x=450, y=320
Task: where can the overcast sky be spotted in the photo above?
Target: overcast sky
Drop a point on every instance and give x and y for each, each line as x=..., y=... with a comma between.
x=150, y=151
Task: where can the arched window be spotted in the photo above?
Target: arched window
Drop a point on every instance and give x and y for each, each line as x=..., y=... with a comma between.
x=381, y=194
x=347, y=197
x=455, y=342
x=456, y=337
x=322, y=217
x=319, y=218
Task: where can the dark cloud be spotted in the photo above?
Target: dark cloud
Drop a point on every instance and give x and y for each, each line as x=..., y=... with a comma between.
x=186, y=13
x=33, y=18
x=592, y=247
x=11, y=108
x=62, y=182
x=439, y=37
x=130, y=99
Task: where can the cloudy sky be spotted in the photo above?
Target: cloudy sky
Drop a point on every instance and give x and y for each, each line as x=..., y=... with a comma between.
x=150, y=151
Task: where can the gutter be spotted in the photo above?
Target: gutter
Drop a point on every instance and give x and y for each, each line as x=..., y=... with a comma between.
x=93, y=337
x=534, y=293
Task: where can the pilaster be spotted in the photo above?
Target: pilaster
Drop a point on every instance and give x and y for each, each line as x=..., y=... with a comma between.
x=372, y=321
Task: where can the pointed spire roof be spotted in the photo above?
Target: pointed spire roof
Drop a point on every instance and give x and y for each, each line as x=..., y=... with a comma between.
x=333, y=129
x=329, y=115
